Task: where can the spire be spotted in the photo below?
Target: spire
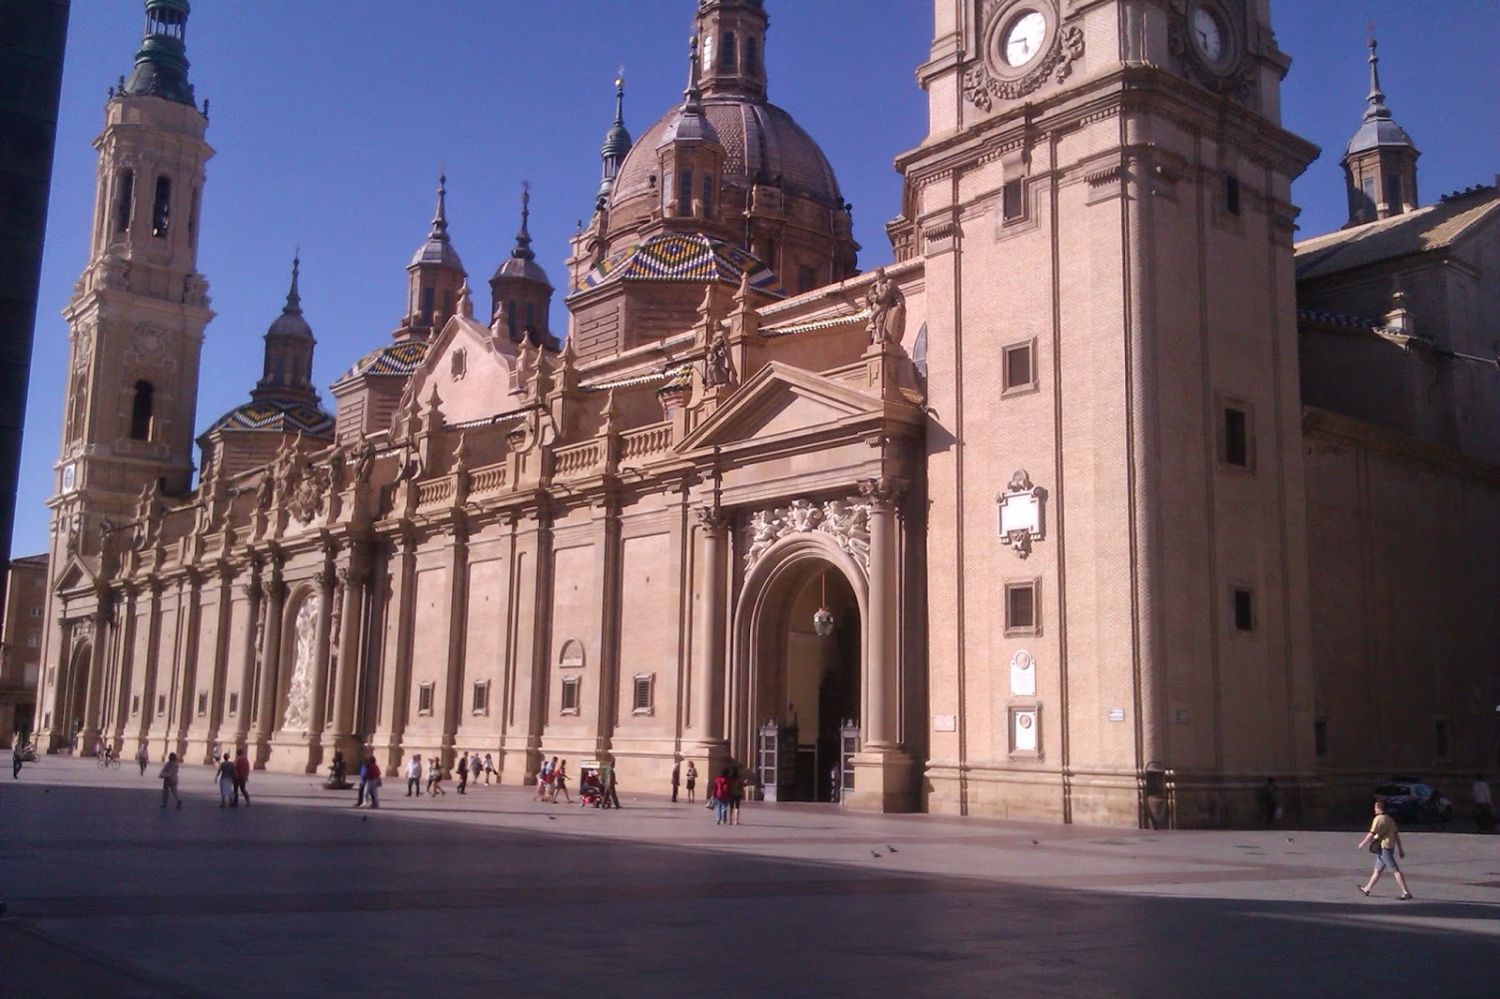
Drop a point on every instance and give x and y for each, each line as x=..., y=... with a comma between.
x=440, y=217
x=693, y=104
x=1376, y=98
x=1380, y=161
x=523, y=249
x=293, y=305
x=617, y=143
x=161, y=65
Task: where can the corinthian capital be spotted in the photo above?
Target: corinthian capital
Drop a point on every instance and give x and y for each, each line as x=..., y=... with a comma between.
x=713, y=518
x=884, y=493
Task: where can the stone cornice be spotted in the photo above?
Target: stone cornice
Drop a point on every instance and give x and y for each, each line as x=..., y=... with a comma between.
x=1316, y=420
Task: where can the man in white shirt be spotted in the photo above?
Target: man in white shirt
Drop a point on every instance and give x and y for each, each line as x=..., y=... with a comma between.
x=1484, y=807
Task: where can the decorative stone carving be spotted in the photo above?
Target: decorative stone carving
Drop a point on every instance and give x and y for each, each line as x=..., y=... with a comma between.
x=718, y=368
x=311, y=495
x=991, y=79
x=887, y=305
x=846, y=521
x=1022, y=511
x=363, y=461
x=713, y=518
x=299, y=690
x=1236, y=77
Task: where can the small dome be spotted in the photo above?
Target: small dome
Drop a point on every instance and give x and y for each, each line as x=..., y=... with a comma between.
x=519, y=267
x=277, y=417
x=617, y=142
x=438, y=251
x=1374, y=133
x=688, y=126
x=760, y=141
x=291, y=322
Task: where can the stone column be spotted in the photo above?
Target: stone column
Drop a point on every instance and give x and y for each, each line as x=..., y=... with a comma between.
x=124, y=670
x=318, y=703
x=94, y=684
x=395, y=664
x=273, y=592
x=708, y=678
x=249, y=652
x=340, y=734
x=882, y=631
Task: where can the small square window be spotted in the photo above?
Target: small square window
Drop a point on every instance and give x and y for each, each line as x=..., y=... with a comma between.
x=1320, y=738
x=1013, y=201
x=426, y=695
x=32, y=641
x=1244, y=609
x=643, y=694
x=1441, y=740
x=481, y=697
x=1232, y=195
x=234, y=703
x=571, y=695
x=202, y=703
x=161, y=704
x=1021, y=608
x=1236, y=443
x=135, y=705
x=36, y=612
x=1019, y=369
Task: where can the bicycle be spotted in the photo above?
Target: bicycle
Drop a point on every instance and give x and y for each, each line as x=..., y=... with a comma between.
x=109, y=761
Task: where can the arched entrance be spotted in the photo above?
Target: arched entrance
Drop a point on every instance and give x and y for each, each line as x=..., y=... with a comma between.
x=77, y=697
x=799, y=692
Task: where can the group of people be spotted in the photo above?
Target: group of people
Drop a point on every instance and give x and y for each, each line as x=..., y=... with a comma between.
x=728, y=791
x=692, y=780
x=232, y=776
x=552, y=780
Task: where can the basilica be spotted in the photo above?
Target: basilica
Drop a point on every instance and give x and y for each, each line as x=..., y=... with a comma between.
x=1105, y=501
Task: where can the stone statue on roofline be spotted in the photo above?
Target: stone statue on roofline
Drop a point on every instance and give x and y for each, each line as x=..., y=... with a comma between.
x=887, y=307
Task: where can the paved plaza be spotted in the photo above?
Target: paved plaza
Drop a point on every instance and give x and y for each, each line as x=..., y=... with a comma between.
x=494, y=894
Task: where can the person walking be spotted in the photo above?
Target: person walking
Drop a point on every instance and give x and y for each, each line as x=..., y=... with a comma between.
x=736, y=793
x=611, y=789
x=364, y=782
x=168, y=777
x=414, y=775
x=143, y=756
x=241, y=776
x=461, y=771
x=17, y=757
x=1384, y=840
x=1484, y=805
x=226, y=781
x=560, y=782
x=435, y=777
x=719, y=795
x=1269, y=800
x=474, y=768
x=372, y=782
x=489, y=769
x=676, y=779
x=692, y=782
x=543, y=781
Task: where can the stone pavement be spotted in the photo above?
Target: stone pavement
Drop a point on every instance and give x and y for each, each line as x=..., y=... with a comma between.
x=492, y=893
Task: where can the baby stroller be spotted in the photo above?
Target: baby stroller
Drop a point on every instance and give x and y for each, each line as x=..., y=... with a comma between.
x=590, y=788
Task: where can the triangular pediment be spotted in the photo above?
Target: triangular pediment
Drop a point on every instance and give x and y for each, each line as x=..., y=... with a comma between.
x=473, y=373
x=74, y=574
x=779, y=400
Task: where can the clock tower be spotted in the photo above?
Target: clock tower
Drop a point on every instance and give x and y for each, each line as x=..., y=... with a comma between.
x=1103, y=207
x=135, y=326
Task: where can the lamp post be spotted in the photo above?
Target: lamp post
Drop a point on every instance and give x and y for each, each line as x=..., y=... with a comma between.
x=823, y=617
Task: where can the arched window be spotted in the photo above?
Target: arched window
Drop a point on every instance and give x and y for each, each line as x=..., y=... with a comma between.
x=140, y=412
x=685, y=193
x=124, y=198
x=727, y=52
x=161, y=209
x=752, y=56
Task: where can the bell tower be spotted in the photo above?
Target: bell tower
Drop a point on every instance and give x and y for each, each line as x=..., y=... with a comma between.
x=1102, y=205
x=137, y=317
x=1380, y=161
x=732, y=39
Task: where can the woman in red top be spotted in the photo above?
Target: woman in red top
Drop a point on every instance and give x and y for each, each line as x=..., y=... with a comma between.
x=372, y=782
x=722, y=792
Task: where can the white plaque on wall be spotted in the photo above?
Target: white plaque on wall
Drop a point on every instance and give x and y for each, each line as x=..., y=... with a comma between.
x=944, y=723
x=1023, y=730
x=1022, y=675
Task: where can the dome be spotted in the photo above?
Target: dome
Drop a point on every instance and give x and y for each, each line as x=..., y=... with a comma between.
x=1375, y=133
x=398, y=359
x=437, y=250
x=518, y=267
x=761, y=142
x=277, y=417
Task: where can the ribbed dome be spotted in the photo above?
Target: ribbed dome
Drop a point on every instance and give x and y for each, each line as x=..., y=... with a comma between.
x=761, y=142
x=438, y=251
x=516, y=267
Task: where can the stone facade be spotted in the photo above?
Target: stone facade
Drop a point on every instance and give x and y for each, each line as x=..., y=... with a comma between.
x=1032, y=522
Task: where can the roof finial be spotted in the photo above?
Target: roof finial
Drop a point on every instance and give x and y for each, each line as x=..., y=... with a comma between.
x=293, y=297
x=1376, y=98
x=523, y=238
x=440, y=219
x=620, y=96
x=692, y=93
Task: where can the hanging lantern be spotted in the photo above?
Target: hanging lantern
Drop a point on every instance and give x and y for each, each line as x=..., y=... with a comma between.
x=823, y=617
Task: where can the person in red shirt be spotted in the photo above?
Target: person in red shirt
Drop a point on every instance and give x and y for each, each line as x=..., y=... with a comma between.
x=722, y=792
x=241, y=775
x=372, y=782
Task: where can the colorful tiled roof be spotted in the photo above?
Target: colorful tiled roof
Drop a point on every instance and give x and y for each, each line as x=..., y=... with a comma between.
x=399, y=359
x=681, y=257
x=276, y=417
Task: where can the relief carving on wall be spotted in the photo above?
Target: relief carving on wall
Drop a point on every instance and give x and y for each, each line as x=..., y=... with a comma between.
x=847, y=522
x=1022, y=510
x=299, y=691
x=988, y=80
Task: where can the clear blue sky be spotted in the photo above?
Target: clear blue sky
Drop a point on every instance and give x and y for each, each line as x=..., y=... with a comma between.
x=331, y=120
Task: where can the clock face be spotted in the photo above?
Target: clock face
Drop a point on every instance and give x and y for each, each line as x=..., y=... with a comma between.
x=1208, y=34
x=1023, y=39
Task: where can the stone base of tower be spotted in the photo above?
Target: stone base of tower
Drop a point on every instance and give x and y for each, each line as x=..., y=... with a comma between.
x=294, y=754
x=884, y=781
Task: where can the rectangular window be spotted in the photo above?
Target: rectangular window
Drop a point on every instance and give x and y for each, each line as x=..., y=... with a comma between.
x=124, y=200
x=1236, y=437
x=1440, y=736
x=1320, y=738
x=643, y=694
x=481, y=697
x=426, y=694
x=234, y=703
x=135, y=705
x=32, y=641
x=708, y=194
x=161, y=704
x=807, y=279
x=1018, y=371
x=1021, y=608
x=36, y=612
x=685, y=193
x=202, y=703
x=1393, y=190
x=1232, y=195
x=1244, y=609
x=1013, y=201
x=571, y=690
x=161, y=210
x=427, y=299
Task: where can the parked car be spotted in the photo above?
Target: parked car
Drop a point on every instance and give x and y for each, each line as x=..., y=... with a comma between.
x=1412, y=800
